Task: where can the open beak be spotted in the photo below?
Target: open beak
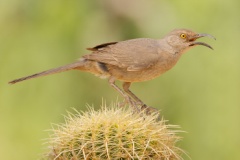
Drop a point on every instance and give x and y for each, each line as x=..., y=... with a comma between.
x=194, y=43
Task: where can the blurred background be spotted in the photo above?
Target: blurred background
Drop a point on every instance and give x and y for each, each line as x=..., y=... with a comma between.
x=201, y=93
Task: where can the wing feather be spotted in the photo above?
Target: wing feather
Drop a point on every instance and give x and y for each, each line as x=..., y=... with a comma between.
x=134, y=55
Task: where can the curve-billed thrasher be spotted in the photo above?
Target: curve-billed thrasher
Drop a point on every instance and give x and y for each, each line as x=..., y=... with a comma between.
x=132, y=60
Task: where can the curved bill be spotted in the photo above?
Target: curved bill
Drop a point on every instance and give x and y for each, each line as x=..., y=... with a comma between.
x=204, y=35
x=201, y=43
x=193, y=43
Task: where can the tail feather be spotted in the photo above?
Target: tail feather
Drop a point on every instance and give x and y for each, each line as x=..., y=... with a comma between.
x=48, y=72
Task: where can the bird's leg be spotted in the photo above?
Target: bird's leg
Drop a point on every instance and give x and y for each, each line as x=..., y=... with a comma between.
x=126, y=97
x=148, y=109
x=126, y=86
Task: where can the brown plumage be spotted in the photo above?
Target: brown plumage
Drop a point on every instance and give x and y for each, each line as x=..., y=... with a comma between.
x=132, y=60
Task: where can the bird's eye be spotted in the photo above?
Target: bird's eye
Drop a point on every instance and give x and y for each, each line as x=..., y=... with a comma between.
x=183, y=36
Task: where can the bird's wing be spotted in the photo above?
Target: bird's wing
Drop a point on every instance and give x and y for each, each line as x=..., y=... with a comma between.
x=134, y=55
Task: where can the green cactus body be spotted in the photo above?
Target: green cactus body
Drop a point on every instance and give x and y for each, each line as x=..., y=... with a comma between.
x=113, y=133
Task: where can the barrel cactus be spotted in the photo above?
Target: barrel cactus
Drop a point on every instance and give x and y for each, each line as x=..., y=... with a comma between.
x=113, y=133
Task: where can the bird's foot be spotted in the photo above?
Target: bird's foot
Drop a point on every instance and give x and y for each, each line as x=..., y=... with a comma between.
x=131, y=103
x=148, y=109
x=134, y=105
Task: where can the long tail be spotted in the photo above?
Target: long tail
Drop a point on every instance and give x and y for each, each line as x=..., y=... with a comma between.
x=51, y=71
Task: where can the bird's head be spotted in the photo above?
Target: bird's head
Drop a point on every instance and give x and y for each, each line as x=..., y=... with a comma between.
x=183, y=39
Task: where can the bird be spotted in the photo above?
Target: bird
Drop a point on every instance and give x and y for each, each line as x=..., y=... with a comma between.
x=134, y=60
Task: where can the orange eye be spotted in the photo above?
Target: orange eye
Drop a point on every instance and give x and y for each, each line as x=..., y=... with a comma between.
x=183, y=36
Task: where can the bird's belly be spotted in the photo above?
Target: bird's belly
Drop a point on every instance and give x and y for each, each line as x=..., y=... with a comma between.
x=146, y=74
x=135, y=76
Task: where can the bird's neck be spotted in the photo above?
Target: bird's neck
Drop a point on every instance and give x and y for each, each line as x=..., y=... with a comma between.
x=168, y=55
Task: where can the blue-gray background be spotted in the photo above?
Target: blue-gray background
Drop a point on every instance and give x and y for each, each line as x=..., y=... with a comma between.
x=201, y=94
